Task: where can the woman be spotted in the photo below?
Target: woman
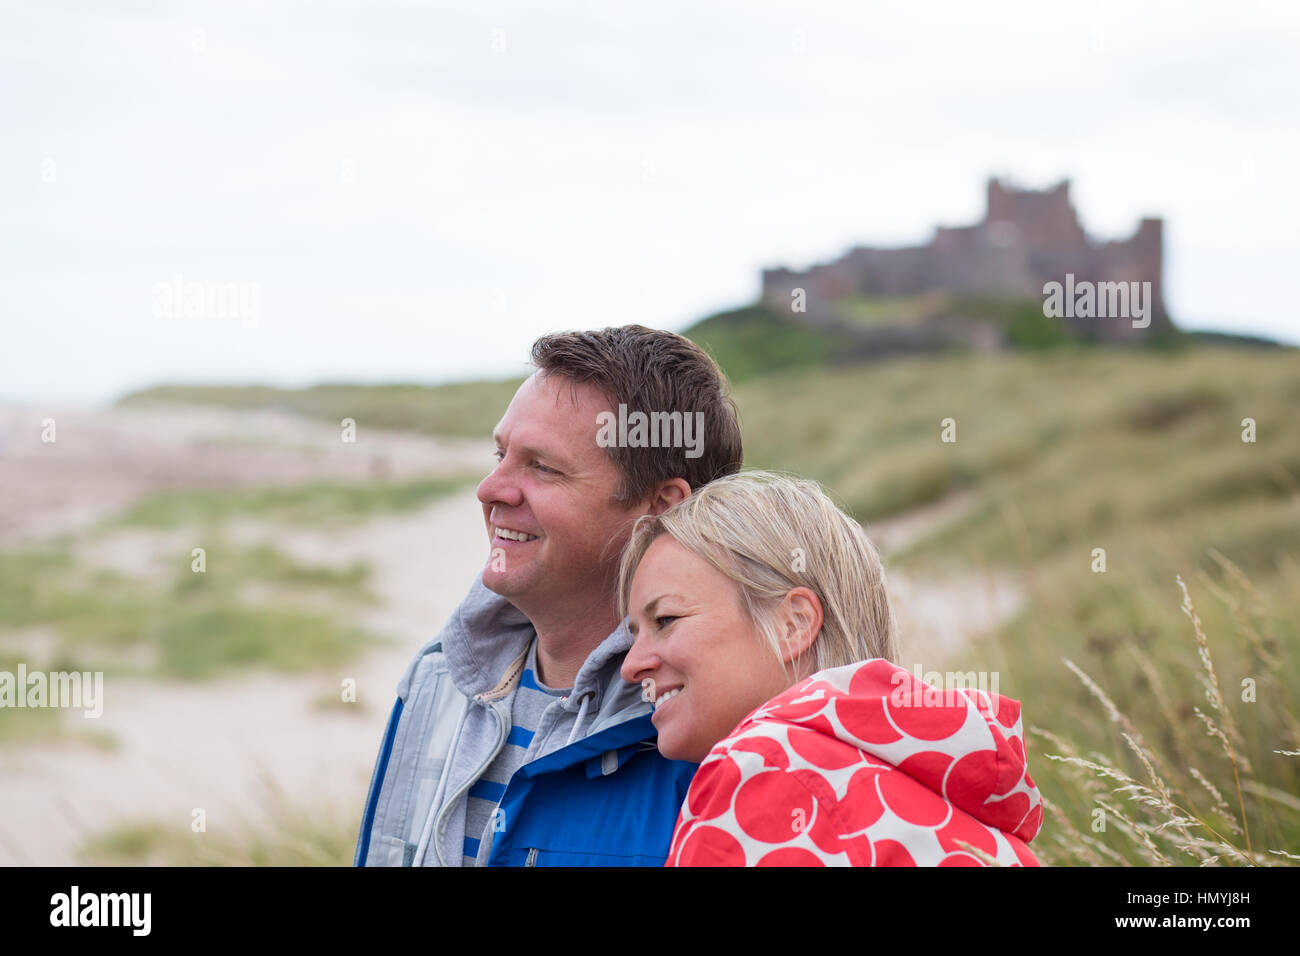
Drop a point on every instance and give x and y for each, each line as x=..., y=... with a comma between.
x=765, y=640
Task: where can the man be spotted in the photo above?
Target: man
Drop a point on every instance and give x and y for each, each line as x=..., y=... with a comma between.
x=514, y=739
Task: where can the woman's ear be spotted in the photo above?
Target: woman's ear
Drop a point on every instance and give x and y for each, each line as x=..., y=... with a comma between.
x=801, y=622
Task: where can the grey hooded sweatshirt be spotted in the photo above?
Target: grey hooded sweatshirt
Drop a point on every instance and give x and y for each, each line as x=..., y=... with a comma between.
x=452, y=717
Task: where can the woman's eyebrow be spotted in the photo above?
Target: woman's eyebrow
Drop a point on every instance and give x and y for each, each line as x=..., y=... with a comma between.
x=646, y=611
x=651, y=606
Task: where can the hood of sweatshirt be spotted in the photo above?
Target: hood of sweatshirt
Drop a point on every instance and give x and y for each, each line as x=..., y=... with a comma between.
x=865, y=765
x=485, y=642
x=965, y=745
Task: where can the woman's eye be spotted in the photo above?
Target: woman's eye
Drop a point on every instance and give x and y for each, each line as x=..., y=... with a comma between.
x=659, y=621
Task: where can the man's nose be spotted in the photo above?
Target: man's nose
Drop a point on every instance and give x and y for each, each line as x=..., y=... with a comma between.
x=500, y=486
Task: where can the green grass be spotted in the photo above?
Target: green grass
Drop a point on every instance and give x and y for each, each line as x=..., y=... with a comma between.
x=1021, y=321
x=469, y=409
x=26, y=724
x=200, y=625
x=757, y=340
x=1123, y=429
x=291, y=838
x=892, y=310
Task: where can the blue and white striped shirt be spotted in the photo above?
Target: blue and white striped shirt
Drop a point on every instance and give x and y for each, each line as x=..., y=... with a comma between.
x=530, y=702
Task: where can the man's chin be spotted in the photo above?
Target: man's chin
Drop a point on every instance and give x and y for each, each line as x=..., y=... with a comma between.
x=498, y=583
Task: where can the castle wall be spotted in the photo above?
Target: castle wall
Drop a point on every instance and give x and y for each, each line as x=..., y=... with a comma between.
x=1025, y=240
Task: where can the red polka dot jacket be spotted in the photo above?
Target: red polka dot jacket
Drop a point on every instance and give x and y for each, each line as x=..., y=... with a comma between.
x=865, y=765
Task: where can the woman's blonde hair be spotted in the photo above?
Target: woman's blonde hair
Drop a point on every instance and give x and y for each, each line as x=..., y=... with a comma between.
x=769, y=533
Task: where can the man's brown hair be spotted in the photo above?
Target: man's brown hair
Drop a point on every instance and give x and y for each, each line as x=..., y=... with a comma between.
x=652, y=371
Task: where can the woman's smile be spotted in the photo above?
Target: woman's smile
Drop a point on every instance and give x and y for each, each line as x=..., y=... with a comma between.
x=663, y=699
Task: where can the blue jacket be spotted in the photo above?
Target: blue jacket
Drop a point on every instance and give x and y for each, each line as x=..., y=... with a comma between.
x=593, y=790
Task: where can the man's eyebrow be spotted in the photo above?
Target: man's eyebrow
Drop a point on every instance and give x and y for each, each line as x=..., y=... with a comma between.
x=565, y=463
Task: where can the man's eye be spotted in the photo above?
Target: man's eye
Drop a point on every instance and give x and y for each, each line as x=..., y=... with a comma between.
x=540, y=467
x=498, y=454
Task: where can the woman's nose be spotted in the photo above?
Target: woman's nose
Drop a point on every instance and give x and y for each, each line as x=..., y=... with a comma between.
x=638, y=663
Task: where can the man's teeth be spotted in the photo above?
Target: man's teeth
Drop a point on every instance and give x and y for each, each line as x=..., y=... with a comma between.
x=515, y=535
x=671, y=693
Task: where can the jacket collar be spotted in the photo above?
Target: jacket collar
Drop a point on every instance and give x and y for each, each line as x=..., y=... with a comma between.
x=486, y=642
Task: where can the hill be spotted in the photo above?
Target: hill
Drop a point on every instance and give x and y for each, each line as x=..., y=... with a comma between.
x=758, y=339
x=1096, y=477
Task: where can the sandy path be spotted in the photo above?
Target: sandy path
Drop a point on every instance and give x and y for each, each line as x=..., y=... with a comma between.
x=941, y=617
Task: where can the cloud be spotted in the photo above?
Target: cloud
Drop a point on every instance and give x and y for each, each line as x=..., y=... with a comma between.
x=386, y=168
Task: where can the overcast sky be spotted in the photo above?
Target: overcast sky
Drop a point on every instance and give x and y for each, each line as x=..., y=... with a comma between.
x=418, y=190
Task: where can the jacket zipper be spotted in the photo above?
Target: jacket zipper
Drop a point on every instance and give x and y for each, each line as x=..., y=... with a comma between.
x=451, y=802
x=532, y=857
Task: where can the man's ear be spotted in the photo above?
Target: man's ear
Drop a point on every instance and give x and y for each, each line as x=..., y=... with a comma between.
x=668, y=493
x=801, y=621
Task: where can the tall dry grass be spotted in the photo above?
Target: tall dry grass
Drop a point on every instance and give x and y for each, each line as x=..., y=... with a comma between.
x=1176, y=813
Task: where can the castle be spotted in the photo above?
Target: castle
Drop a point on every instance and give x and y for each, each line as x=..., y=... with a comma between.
x=1027, y=239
